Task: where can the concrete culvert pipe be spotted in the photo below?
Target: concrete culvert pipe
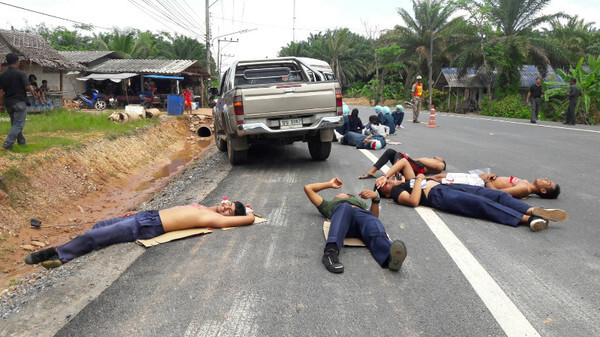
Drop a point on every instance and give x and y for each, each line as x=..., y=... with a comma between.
x=203, y=131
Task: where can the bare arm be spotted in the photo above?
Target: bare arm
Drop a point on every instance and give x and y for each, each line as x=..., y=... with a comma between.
x=413, y=198
x=528, y=96
x=369, y=194
x=312, y=190
x=518, y=191
x=216, y=220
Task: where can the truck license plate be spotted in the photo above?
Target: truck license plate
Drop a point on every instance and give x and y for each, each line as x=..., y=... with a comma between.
x=290, y=123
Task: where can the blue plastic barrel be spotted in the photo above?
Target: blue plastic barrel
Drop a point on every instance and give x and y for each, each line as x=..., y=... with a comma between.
x=174, y=105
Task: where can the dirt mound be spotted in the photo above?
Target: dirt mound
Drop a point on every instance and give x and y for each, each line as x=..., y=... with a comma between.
x=76, y=188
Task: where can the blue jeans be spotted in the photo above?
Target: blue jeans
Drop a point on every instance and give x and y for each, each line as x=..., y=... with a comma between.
x=352, y=222
x=17, y=122
x=478, y=202
x=143, y=225
x=356, y=139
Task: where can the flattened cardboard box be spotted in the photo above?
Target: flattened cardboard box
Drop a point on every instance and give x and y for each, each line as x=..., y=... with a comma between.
x=170, y=236
x=352, y=242
x=185, y=233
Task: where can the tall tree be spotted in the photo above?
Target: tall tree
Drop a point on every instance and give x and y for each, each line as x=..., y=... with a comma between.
x=425, y=33
x=515, y=20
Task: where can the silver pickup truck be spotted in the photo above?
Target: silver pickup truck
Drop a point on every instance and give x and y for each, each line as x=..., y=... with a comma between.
x=275, y=101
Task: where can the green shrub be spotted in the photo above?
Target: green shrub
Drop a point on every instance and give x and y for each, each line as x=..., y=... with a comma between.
x=511, y=106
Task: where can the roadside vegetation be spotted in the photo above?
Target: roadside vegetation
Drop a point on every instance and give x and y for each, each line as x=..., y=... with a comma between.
x=67, y=129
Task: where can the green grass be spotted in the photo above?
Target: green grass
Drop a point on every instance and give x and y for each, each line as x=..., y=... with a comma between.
x=71, y=127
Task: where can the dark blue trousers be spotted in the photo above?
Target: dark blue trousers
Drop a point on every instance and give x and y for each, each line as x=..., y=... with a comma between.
x=478, y=202
x=353, y=222
x=143, y=225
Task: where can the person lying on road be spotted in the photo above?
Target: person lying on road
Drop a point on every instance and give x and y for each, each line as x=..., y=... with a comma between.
x=350, y=218
x=518, y=188
x=471, y=201
x=144, y=225
x=419, y=165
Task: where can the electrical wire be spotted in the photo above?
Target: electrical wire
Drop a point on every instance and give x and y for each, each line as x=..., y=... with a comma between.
x=53, y=16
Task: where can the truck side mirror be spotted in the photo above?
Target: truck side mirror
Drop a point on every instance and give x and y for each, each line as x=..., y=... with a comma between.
x=213, y=91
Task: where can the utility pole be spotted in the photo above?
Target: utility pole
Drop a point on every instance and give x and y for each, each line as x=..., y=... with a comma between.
x=207, y=14
x=219, y=54
x=294, y=23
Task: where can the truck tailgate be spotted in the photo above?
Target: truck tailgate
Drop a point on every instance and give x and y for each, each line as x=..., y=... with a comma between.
x=283, y=100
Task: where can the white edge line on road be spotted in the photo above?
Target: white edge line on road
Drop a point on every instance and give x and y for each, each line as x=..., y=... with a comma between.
x=521, y=123
x=506, y=313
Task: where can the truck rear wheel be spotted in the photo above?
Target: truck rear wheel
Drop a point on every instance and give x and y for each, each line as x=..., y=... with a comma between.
x=235, y=157
x=221, y=144
x=319, y=150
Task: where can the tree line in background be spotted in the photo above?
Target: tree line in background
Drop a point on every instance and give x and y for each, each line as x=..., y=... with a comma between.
x=491, y=35
x=131, y=43
x=496, y=37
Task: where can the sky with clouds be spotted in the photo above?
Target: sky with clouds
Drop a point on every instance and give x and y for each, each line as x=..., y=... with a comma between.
x=270, y=23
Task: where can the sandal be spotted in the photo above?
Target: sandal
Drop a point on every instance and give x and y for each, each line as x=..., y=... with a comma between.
x=367, y=176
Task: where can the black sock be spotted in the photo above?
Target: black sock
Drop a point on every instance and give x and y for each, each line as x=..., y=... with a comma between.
x=331, y=246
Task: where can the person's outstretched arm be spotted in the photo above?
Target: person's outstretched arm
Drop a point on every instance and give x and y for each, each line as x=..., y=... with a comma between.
x=216, y=220
x=313, y=189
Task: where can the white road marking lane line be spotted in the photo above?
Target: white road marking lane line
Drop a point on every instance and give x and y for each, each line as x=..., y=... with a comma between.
x=506, y=313
x=522, y=123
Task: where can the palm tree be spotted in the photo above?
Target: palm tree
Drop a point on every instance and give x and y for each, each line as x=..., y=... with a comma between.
x=576, y=37
x=425, y=33
x=515, y=20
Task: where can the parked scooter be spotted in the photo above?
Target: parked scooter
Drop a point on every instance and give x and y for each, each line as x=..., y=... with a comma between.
x=96, y=101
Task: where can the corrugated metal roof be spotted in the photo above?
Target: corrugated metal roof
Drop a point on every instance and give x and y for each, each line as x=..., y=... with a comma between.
x=530, y=73
x=143, y=66
x=473, y=79
x=469, y=80
x=86, y=56
x=34, y=48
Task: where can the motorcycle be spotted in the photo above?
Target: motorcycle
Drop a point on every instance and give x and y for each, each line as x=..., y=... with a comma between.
x=96, y=101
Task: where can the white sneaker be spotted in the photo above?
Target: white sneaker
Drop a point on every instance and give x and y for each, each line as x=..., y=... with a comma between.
x=401, y=127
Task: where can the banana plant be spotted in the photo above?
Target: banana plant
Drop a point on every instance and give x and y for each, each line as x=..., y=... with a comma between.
x=588, y=82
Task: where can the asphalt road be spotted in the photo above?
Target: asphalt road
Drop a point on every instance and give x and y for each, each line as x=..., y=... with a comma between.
x=462, y=277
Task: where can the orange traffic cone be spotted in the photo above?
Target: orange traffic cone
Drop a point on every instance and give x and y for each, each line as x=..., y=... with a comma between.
x=432, y=118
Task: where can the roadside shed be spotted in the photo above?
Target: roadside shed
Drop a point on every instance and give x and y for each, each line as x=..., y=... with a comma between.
x=471, y=87
x=39, y=59
x=87, y=59
x=159, y=73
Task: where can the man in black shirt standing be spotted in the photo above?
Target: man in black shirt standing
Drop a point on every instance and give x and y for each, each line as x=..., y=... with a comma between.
x=535, y=93
x=14, y=85
x=573, y=97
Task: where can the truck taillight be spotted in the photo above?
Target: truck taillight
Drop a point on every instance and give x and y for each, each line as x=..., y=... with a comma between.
x=238, y=107
x=338, y=101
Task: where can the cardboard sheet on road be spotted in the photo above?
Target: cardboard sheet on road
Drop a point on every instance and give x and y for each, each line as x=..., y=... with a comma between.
x=185, y=233
x=170, y=236
x=351, y=242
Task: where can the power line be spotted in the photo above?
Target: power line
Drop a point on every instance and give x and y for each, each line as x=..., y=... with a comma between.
x=274, y=26
x=154, y=16
x=52, y=16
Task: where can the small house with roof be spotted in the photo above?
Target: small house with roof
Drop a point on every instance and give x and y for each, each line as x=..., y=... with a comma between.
x=39, y=59
x=472, y=86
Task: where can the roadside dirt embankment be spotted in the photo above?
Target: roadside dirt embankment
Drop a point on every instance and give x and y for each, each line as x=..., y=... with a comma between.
x=69, y=190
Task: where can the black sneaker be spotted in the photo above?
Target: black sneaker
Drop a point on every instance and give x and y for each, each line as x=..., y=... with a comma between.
x=397, y=255
x=537, y=224
x=7, y=146
x=42, y=255
x=332, y=261
x=550, y=214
